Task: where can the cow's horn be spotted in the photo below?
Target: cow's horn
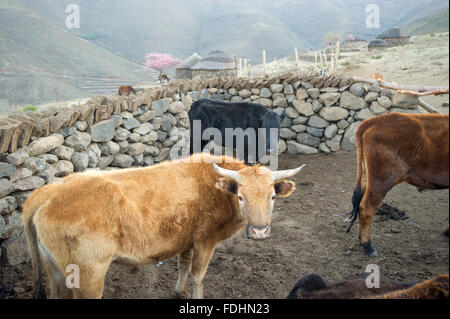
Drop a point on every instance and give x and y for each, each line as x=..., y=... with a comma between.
x=277, y=175
x=226, y=172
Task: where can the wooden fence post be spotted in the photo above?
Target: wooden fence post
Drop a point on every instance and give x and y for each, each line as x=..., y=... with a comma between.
x=264, y=62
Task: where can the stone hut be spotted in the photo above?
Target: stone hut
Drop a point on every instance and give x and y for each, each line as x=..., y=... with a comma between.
x=394, y=37
x=217, y=63
x=376, y=44
x=356, y=44
x=183, y=71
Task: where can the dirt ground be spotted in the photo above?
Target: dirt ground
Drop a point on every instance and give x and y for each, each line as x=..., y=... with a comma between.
x=424, y=61
x=308, y=236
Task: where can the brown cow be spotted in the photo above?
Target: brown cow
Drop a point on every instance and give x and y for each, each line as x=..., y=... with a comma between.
x=145, y=215
x=163, y=77
x=126, y=90
x=313, y=286
x=395, y=148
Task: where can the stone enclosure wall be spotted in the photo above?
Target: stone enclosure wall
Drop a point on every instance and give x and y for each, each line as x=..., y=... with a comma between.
x=113, y=132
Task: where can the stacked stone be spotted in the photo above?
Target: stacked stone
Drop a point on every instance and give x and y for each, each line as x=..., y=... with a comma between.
x=318, y=119
x=112, y=132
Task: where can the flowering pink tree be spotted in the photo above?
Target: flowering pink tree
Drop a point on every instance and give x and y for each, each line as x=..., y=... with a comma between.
x=350, y=37
x=160, y=61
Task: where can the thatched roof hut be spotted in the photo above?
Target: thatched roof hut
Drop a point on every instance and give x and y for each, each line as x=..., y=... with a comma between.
x=394, y=37
x=216, y=63
x=183, y=70
x=377, y=44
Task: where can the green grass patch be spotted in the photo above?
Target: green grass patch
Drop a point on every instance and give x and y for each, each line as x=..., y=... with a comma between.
x=29, y=108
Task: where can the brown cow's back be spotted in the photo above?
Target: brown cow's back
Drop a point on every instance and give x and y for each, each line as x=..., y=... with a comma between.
x=136, y=207
x=419, y=141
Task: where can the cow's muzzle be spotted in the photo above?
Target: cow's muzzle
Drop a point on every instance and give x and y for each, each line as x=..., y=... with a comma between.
x=258, y=232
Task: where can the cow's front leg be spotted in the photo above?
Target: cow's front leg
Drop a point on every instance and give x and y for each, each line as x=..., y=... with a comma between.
x=184, y=268
x=202, y=256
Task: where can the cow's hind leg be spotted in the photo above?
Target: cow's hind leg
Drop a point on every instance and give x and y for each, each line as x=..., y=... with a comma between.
x=92, y=281
x=56, y=281
x=184, y=268
x=379, y=181
x=202, y=256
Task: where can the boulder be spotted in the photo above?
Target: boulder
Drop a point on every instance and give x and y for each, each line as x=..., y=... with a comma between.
x=349, y=139
x=63, y=152
x=6, y=169
x=36, y=164
x=7, y=205
x=333, y=113
x=364, y=115
x=330, y=131
x=377, y=109
x=352, y=102
x=18, y=157
x=44, y=145
x=357, y=89
x=304, y=108
x=287, y=134
x=160, y=106
x=335, y=143
x=78, y=141
x=384, y=101
x=297, y=148
x=265, y=93
x=143, y=129
x=29, y=183
x=80, y=161
x=308, y=139
x=122, y=160
x=103, y=131
x=6, y=187
x=64, y=168
x=21, y=173
x=329, y=99
x=314, y=93
x=276, y=88
x=405, y=101
x=317, y=122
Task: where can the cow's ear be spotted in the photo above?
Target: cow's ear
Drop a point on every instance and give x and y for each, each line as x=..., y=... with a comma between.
x=227, y=185
x=284, y=188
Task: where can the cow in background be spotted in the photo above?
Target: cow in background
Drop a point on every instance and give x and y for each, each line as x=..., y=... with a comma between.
x=126, y=90
x=395, y=148
x=236, y=115
x=313, y=286
x=163, y=77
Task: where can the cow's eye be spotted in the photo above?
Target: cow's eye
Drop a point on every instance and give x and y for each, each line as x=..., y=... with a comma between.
x=240, y=198
x=273, y=197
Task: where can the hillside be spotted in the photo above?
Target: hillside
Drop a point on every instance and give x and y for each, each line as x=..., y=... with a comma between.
x=434, y=22
x=241, y=28
x=42, y=62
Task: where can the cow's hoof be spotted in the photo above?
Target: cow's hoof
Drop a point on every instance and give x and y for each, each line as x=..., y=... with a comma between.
x=369, y=250
x=182, y=295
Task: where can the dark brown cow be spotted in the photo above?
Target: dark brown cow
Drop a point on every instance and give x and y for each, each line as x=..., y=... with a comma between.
x=126, y=90
x=392, y=149
x=313, y=286
x=163, y=77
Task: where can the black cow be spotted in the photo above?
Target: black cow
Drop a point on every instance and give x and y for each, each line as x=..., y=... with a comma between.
x=235, y=115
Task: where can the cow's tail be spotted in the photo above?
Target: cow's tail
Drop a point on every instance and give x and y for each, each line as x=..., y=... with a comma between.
x=30, y=231
x=357, y=193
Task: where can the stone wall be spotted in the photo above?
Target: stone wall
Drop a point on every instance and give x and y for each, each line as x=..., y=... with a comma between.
x=113, y=132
